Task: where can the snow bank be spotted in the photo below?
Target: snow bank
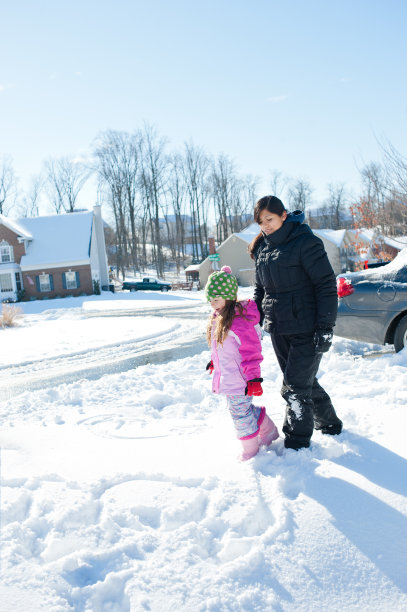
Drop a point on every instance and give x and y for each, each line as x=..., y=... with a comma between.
x=124, y=493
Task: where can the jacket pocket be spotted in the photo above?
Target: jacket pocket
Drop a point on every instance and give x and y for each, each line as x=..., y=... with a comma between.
x=304, y=307
x=283, y=308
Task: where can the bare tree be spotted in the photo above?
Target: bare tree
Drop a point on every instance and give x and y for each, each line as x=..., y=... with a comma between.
x=8, y=186
x=31, y=199
x=242, y=199
x=396, y=167
x=118, y=165
x=176, y=194
x=299, y=194
x=249, y=189
x=383, y=194
x=374, y=183
x=154, y=166
x=111, y=183
x=195, y=171
x=336, y=203
x=278, y=183
x=64, y=178
x=223, y=179
x=130, y=146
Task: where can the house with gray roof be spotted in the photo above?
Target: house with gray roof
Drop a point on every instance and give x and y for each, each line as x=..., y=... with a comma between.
x=233, y=252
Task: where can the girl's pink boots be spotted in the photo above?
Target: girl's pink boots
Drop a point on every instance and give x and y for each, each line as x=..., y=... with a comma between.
x=268, y=432
x=250, y=448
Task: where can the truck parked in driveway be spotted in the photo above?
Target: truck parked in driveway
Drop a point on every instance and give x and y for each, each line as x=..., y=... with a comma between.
x=146, y=284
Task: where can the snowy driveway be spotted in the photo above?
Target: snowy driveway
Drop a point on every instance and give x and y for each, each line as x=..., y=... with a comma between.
x=175, y=334
x=123, y=493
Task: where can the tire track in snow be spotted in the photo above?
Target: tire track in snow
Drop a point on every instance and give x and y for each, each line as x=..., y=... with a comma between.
x=95, y=363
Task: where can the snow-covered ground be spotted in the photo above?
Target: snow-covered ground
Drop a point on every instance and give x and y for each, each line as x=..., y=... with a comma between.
x=123, y=492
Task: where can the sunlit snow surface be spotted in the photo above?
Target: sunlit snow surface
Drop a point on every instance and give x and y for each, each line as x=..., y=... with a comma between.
x=124, y=493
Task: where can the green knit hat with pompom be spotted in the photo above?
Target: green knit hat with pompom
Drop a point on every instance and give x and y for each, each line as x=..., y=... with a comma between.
x=221, y=284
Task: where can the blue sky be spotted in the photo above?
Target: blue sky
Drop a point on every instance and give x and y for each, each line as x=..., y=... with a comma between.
x=304, y=87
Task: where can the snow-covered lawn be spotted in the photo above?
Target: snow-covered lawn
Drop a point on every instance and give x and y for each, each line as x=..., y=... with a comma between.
x=124, y=493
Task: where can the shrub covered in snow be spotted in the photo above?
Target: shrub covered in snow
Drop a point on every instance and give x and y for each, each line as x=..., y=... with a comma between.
x=9, y=315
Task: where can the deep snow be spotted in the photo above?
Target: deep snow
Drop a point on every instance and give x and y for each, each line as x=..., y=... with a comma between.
x=124, y=493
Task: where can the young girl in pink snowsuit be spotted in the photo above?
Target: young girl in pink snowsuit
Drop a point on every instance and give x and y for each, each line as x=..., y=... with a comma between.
x=234, y=337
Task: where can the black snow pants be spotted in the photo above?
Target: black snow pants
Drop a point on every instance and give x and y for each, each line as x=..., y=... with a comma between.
x=308, y=404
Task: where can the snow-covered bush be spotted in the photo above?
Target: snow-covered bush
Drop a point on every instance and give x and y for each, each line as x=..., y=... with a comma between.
x=9, y=315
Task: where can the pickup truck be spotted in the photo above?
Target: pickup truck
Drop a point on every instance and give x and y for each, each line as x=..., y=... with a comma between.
x=145, y=284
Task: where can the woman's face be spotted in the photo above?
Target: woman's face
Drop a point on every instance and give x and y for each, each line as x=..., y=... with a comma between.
x=270, y=222
x=218, y=303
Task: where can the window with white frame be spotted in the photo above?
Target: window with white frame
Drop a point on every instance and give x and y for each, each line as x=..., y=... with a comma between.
x=6, y=252
x=19, y=284
x=6, y=284
x=45, y=282
x=70, y=278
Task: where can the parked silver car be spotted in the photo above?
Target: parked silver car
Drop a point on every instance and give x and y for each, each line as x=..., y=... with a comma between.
x=372, y=304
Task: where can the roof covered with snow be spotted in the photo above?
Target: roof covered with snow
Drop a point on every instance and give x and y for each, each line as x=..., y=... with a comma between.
x=397, y=242
x=369, y=235
x=57, y=239
x=15, y=227
x=192, y=268
x=249, y=233
x=335, y=236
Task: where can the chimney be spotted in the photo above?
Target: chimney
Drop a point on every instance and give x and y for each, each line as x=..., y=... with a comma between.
x=100, y=245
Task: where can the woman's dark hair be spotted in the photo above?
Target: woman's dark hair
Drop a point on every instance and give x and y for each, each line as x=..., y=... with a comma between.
x=273, y=205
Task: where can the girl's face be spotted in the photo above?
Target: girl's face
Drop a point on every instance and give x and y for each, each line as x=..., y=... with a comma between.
x=218, y=303
x=270, y=222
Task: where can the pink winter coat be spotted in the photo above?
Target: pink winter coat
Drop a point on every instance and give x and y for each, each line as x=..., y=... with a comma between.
x=238, y=359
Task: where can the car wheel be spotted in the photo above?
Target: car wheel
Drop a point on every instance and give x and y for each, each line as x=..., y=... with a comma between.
x=400, y=335
x=133, y=289
x=164, y=289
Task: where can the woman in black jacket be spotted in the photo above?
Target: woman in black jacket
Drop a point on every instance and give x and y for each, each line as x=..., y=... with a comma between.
x=295, y=292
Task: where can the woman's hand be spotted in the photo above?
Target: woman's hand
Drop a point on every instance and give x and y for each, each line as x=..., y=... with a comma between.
x=323, y=340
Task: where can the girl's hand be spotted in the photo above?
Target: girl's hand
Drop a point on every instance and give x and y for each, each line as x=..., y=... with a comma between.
x=210, y=367
x=254, y=387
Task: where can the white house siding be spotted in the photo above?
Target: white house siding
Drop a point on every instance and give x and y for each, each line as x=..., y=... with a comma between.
x=247, y=277
x=333, y=252
x=8, y=282
x=233, y=252
x=205, y=269
x=333, y=242
x=98, y=258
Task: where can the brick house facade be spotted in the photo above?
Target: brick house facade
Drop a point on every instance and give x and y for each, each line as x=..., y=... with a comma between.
x=58, y=284
x=46, y=257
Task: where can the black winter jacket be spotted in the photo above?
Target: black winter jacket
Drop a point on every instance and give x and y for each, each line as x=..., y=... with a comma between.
x=295, y=289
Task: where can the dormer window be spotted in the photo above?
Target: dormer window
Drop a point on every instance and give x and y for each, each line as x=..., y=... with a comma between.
x=6, y=252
